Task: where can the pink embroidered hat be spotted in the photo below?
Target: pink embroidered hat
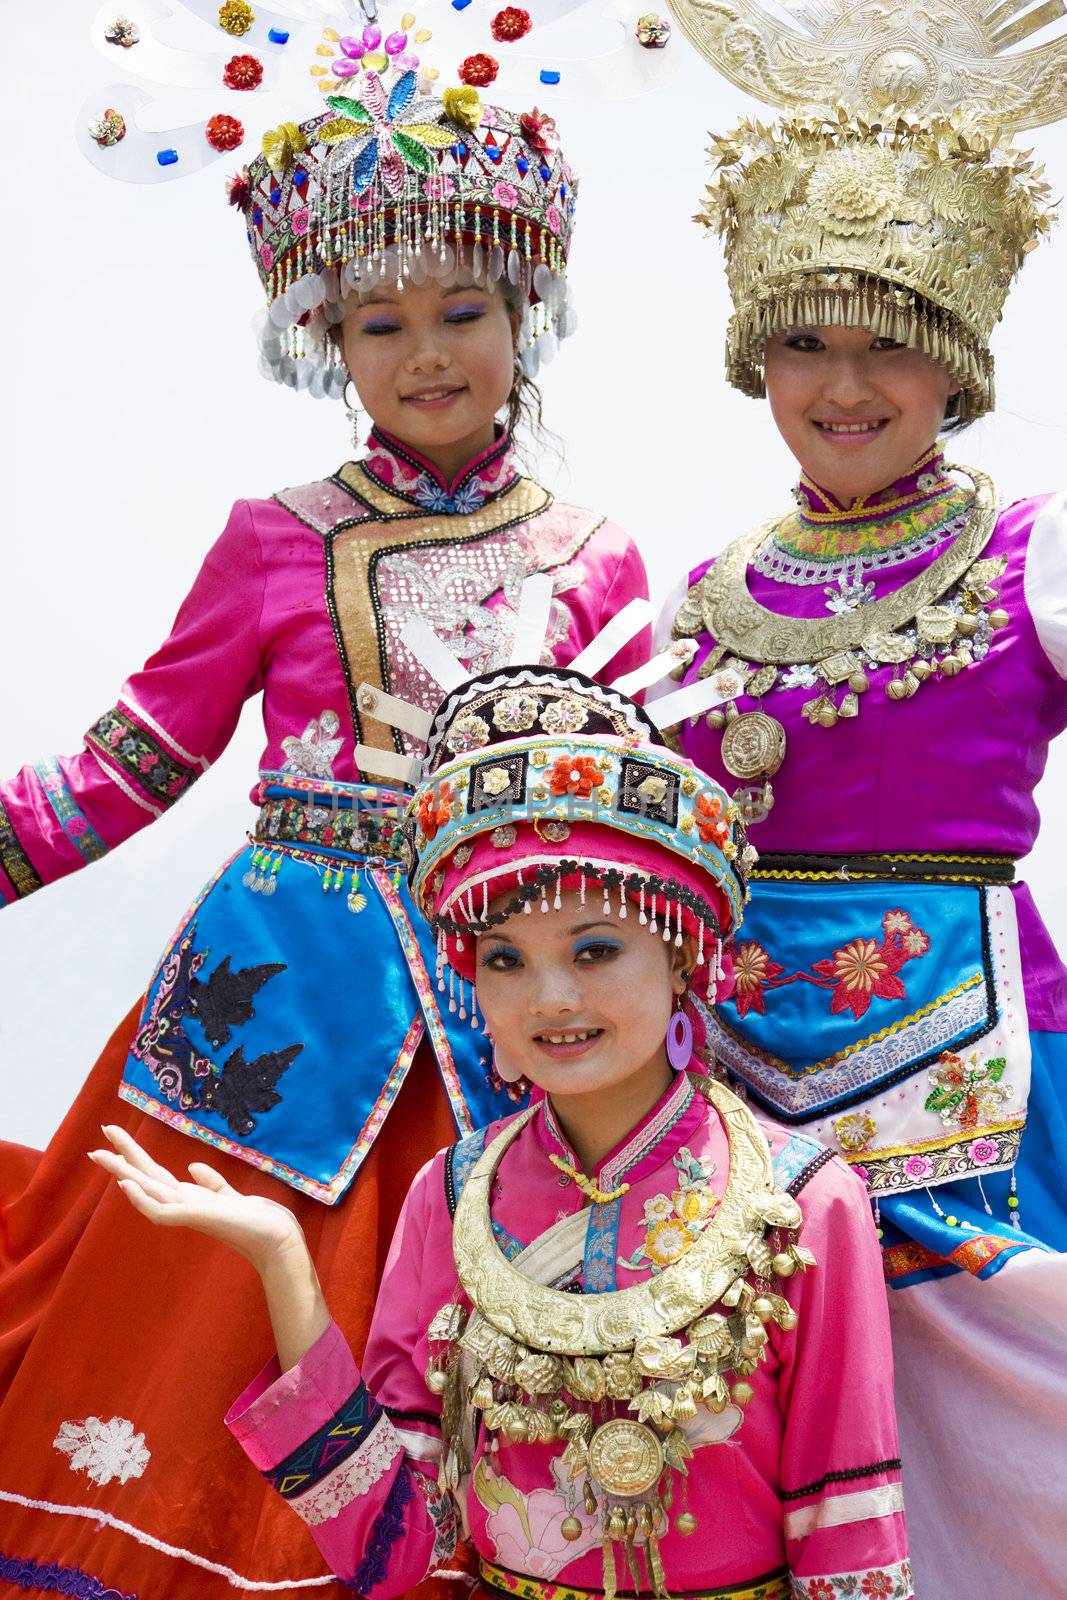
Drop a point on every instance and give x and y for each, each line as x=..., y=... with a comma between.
x=538, y=779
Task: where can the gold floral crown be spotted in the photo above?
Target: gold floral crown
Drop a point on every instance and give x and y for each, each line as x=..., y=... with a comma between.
x=889, y=195
x=914, y=229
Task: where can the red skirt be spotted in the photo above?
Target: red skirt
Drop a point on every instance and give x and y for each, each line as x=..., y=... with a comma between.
x=152, y=1332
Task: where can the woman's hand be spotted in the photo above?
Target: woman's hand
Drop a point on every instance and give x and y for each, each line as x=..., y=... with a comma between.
x=261, y=1230
x=257, y=1228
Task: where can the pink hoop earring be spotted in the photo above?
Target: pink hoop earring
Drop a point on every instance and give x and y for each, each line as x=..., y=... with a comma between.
x=679, y=1041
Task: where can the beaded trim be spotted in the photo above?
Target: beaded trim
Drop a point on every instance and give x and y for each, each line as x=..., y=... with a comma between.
x=849, y=1475
x=289, y=820
x=775, y=559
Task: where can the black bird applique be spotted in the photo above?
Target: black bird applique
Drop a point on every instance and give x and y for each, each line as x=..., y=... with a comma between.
x=241, y=1087
x=224, y=1000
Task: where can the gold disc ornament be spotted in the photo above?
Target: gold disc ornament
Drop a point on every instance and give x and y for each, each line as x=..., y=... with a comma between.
x=625, y=1458
x=753, y=745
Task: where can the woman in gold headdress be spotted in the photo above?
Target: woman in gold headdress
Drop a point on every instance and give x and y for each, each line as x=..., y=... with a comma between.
x=903, y=642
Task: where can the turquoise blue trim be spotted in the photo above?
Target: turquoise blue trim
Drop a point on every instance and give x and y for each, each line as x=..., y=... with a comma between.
x=601, y=1247
x=793, y=1157
x=71, y=818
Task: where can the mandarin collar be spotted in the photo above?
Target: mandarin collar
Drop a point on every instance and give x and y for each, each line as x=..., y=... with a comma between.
x=404, y=472
x=661, y=1133
x=926, y=478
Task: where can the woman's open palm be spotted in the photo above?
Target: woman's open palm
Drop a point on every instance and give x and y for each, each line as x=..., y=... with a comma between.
x=255, y=1227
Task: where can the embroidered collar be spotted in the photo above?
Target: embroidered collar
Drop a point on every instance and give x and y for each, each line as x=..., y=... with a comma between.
x=654, y=1141
x=913, y=510
x=404, y=472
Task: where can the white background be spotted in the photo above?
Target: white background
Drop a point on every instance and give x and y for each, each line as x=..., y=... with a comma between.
x=135, y=415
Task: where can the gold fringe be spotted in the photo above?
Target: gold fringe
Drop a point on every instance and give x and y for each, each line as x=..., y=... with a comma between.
x=851, y=300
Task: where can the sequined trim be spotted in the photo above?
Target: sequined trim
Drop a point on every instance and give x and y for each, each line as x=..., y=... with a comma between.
x=14, y=860
x=75, y=824
x=773, y=1586
x=142, y=757
x=293, y=819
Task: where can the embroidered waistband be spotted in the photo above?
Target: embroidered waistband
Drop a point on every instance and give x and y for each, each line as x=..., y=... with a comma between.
x=498, y=1580
x=894, y=867
x=345, y=818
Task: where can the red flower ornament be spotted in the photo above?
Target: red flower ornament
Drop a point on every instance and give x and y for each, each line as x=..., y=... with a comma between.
x=243, y=72
x=860, y=971
x=435, y=809
x=479, y=70
x=539, y=131
x=753, y=970
x=223, y=132
x=239, y=189
x=578, y=775
x=711, y=825
x=511, y=23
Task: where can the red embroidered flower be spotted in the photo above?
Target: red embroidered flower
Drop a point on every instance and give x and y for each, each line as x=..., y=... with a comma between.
x=243, y=72
x=820, y=1589
x=511, y=23
x=539, y=131
x=239, y=189
x=753, y=970
x=478, y=70
x=223, y=132
x=578, y=775
x=877, y=1583
x=435, y=809
x=709, y=819
x=859, y=971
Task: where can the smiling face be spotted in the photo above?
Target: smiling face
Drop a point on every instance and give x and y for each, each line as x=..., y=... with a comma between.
x=433, y=363
x=579, y=1004
x=854, y=408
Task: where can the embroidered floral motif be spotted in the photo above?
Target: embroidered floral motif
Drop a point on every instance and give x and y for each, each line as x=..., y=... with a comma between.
x=855, y=1131
x=874, y=1583
x=941, y=1160
x=442, y=1511
x=514, y=713
x=526, y=1528
x=75, y=824
x=966, y=1094
x=467, y=733
x=435, y=809
x=578, y=775
x=313, y=754
x=753, y=970
x=866, y=968
x=141, y=757
x=673, y=1222
x=435, y=497
x=103, y=1450
x=564, y=715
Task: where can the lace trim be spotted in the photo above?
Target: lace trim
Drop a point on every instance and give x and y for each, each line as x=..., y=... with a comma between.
x=352, y=1478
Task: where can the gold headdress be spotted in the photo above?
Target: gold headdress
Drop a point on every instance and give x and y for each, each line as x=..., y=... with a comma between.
x=892, y=196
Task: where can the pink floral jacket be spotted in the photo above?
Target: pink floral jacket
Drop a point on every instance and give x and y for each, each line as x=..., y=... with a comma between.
x=802, y=1491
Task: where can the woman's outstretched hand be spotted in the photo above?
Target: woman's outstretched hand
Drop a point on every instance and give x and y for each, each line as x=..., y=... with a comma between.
x=266, y=1233
x=255, y=1227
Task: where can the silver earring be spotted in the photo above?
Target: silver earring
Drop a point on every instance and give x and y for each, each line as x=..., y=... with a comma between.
x=351, y=399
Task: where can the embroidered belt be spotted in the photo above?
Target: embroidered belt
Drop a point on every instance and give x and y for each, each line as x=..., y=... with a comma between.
x=498, y=1580
x=897, y=867
x=360, y=819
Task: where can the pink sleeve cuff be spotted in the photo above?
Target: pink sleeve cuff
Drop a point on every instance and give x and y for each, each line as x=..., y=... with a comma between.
x=278, y=1410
